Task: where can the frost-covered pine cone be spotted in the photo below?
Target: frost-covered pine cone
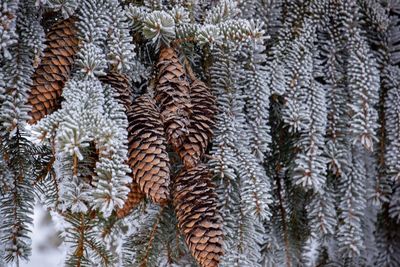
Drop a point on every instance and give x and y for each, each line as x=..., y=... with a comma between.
x=54, y=69
x=195, y=203
x=201, y=123
x=172, y=95
x=148, y=157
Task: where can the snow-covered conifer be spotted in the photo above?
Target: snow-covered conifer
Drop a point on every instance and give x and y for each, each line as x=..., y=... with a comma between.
x=203, y=132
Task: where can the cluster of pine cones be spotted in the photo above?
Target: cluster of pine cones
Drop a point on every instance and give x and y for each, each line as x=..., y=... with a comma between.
x=178, y=115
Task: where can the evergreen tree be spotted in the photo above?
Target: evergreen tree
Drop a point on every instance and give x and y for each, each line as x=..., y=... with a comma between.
x=203, y=132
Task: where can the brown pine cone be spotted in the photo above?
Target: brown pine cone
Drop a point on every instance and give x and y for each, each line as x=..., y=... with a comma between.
x=121, y=85
x=54, y=69
x=172, y=94
x=195, y=203
x=135, y=196
x=148, y=157
x=201, y=124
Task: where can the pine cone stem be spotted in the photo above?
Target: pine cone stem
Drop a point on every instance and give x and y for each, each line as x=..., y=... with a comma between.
x=189, y=70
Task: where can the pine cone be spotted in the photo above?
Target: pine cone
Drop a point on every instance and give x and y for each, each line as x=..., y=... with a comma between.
x=121, y=85
x=54, y=70
x=148, y=157
x=195, y=203
x=172, y=94
x=135, y=196
x=201, y=123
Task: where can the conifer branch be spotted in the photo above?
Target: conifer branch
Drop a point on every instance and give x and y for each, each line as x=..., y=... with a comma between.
x=283, y=216
x=153, y=232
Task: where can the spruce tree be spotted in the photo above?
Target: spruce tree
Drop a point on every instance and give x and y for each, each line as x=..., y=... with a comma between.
x=203, y=132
